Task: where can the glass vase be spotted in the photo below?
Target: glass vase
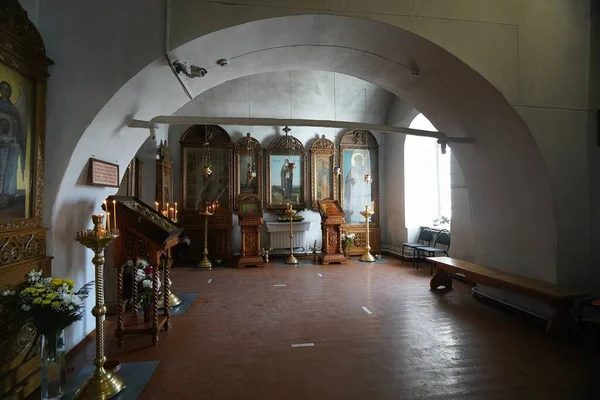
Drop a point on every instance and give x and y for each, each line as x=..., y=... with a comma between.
x=148, y=313
x=53, y=371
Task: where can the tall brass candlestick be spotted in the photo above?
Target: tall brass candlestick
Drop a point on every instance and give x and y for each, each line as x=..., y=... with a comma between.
x=205, y=263
x=102, y=384
x=367, y=256
x=291, y=259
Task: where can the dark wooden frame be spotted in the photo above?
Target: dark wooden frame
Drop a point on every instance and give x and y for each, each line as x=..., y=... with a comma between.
x=91, y=173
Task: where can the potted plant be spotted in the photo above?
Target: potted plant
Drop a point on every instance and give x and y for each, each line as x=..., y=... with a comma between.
x=52, y=305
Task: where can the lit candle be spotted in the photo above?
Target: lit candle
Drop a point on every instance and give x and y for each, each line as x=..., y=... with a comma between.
x=175, y=208
x=167, y=207
x=108, y=221
x=175, y=214
x=156, y=205
x=115, y=214
x=172, y=213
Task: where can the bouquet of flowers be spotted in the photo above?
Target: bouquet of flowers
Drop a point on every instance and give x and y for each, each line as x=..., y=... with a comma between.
x=347, y=240
x=51, y=303
x=143, y=275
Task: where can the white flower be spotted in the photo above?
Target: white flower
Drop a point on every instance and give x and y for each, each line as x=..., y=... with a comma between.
x=147, y=283
x=140, y=275
x=71, y=308
x=8, y=293
x=25, y=307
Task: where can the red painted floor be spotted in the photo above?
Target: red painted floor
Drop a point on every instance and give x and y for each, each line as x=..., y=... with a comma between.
x=234, y=342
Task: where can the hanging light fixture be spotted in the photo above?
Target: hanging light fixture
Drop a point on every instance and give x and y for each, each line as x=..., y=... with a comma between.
x=251, y=172
x=206, y=164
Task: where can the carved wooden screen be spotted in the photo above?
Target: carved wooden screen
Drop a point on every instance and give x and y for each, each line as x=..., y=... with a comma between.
x=23, y=74
x=323, y=182
x=248, y=169
x=197, y=189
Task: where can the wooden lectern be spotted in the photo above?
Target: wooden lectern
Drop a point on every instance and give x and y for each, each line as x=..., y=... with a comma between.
x=147, y=234
x=332, y=219
x=250, y=220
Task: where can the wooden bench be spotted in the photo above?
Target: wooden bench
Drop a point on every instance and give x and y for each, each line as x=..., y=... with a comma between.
x=560, y=299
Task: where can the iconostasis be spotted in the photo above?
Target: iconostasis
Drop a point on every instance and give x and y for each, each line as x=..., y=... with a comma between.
x=216, y=173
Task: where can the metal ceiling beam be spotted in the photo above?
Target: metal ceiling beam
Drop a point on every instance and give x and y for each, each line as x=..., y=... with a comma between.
x=191, y=120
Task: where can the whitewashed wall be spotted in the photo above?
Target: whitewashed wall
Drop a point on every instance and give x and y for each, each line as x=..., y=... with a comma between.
x=314, y=95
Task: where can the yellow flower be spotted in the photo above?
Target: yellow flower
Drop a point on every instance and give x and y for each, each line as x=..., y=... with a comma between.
x=37, y=300
x=69, y=282
x=46, y=302
x=57, y=281
x=51, y=296
x=56, y=304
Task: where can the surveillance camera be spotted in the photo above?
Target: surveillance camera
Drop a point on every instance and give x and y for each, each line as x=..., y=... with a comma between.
x=223, y=62
x=197, y=71
x=416, y=72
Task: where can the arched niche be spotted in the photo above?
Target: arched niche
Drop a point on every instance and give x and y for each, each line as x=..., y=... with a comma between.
x=359, y=186
x=502, y=164
x=199, y=188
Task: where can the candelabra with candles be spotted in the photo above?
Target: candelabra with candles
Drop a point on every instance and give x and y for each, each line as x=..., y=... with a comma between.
x=290, y=213
x=169, y=212
x=102, y=384
x=209, y=210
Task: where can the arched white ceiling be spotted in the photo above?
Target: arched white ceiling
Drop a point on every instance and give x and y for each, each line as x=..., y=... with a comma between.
x=512, y=230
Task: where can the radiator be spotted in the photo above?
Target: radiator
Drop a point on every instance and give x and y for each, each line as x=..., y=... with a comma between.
x=279, y=234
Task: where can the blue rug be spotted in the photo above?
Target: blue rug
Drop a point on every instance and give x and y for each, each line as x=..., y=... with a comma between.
x=301, y=263
x=186, y=301
x=135, y=375
x=380, y=261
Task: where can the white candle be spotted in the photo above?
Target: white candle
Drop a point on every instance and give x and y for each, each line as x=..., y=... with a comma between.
x=115, y=214
x=108, y=221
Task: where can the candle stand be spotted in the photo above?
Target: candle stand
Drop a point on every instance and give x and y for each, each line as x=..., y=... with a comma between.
x=291, y=259
x=205, y=262
x=102, y=384
x=367, y=256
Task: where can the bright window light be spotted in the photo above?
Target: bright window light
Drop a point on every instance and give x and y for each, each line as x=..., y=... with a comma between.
x=426, y=178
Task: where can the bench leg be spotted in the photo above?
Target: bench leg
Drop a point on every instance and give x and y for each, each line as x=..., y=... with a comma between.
x=441, y=278
x=561, y=322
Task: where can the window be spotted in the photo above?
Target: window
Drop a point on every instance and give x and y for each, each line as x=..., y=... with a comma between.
x=426, y=178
